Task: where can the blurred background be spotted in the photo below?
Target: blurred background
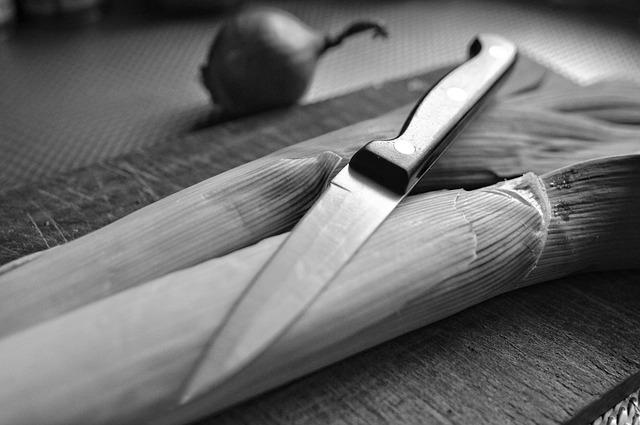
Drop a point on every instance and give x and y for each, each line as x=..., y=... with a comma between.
x=87, y=80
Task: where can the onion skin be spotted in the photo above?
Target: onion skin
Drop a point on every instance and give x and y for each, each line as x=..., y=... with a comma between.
x=265, y=58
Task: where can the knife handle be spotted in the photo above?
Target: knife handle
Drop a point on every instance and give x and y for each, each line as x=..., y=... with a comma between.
x=399, y=163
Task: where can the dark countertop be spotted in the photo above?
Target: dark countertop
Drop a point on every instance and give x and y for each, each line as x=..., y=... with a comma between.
x=72, y=97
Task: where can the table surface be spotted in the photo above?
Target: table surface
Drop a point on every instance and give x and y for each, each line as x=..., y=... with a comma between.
x=538, y=355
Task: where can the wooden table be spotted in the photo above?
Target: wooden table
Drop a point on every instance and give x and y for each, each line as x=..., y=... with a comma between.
x=540, y=355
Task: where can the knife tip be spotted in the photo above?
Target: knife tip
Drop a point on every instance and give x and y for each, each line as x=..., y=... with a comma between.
x=213, y=369
x=202, y=379
x=191, y=392
x=233, y=348
x=186, y=396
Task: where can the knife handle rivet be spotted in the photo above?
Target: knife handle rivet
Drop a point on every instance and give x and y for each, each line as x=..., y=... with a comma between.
x=404, y=147
x=457, y=94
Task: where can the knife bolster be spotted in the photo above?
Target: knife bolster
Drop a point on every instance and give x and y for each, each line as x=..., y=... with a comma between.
x=381, y=162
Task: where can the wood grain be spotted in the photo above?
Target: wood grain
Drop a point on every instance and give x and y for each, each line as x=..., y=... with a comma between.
x=140, y=344
x=267, y=196
x=214, y=217
x=356, y=393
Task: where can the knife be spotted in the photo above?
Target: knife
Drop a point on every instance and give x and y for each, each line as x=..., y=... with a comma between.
x=357, y=201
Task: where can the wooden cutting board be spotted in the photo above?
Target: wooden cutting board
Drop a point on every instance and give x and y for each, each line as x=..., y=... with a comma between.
x=539, y=355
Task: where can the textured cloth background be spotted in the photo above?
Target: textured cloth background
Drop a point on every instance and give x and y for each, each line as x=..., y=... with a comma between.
x=71, y=97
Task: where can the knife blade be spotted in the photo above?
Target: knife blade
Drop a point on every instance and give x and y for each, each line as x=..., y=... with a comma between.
x=356, y=202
